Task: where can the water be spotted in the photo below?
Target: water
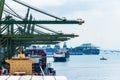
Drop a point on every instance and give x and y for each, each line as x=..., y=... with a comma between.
x=89, y=67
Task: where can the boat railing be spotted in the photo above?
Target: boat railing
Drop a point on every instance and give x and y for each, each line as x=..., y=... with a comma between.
x=43, y=74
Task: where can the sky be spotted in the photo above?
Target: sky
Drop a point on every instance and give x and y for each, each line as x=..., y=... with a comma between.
x=102, y=19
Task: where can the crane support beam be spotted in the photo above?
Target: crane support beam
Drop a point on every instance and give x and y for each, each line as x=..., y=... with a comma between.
x=39, y=35
x=40, y=39
x=1, y=7
x=42, y=22
x=37, y=42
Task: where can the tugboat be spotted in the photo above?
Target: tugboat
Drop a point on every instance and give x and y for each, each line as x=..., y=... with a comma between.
x=61, y=56
x=21, y=69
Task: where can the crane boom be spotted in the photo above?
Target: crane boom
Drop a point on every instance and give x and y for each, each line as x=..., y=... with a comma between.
x=36, y=9
x=1, y=7
x=42, y=22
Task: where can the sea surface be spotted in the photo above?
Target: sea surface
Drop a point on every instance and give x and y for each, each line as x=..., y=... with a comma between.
x=89, y=67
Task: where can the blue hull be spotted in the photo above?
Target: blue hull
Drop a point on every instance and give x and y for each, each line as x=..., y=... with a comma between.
x=60, y=59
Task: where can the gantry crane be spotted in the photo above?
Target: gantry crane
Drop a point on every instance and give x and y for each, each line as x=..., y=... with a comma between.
x=16, y=30
x=1, y=7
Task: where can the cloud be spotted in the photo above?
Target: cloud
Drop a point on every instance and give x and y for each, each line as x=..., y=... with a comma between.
x=42, y=3
x=101, y=24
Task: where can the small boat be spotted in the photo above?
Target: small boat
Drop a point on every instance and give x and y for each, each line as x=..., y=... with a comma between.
x=103, y=58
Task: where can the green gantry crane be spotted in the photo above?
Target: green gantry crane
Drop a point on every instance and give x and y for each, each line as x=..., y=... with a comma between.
x=16, y=30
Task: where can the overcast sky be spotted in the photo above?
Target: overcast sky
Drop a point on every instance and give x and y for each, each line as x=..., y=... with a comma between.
x=102, y=19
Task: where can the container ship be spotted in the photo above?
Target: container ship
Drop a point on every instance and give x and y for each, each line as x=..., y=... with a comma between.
x=23, y=67
x=87, y=49
x=62, y=55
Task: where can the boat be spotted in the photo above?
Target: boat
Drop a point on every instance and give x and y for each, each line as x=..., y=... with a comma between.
x=103, y=58
x=32, y=61
x=62, y=55
x=21, y=68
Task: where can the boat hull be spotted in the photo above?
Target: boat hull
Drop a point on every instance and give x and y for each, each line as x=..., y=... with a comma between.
x=60, y=59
